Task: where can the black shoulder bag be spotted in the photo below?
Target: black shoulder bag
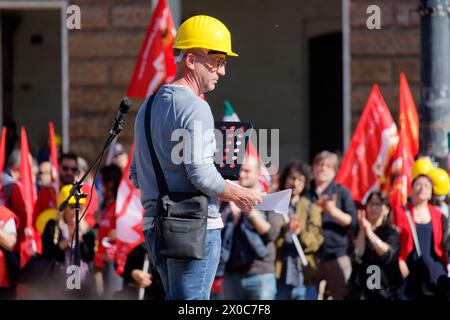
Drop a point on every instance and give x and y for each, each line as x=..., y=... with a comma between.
x=181, y=219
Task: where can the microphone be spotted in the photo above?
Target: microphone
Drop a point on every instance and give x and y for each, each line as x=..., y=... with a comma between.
x=124, y=107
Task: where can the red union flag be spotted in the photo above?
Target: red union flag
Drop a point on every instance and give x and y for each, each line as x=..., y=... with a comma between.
x=374, y=141
x=408, y=147
x=129, y=218
x=155, y=63
x=408, y=117
x=400, y=176
x=31, y=243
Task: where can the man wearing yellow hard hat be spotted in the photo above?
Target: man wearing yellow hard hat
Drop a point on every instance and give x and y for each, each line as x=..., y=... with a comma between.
x=201, y=47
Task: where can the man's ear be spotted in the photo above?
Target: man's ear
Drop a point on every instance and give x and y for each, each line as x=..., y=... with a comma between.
x=189, y=61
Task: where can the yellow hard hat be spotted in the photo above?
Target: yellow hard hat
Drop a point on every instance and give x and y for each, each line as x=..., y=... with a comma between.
x=441, y=181
x=43, y=218
x=204, y=32
x=422, y=166
x=64, y=193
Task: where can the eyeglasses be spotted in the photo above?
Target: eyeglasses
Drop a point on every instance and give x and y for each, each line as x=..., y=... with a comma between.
x=218, y=63
x=73, y=169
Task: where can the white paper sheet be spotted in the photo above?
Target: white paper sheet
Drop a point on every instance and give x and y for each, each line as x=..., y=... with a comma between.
x=277, y=201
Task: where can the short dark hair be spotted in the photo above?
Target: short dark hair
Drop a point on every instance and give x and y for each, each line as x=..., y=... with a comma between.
x=384, y=200
x=111, y=173
x=70, y=155
x=297, y=166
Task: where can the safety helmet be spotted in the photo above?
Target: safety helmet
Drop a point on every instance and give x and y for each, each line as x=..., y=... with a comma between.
x=64, y=193
x=422, y=166
x=204, y=32
x=43, y=218
x=441, y=181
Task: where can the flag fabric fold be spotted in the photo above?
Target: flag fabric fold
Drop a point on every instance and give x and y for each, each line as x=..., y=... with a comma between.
x=408, y=117
x=31, y=243
x=129, y=218
x=155, y=64
x=366, y=162
x=408, y=148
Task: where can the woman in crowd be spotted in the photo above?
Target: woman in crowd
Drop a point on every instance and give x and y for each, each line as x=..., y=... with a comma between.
x=57, y=244
x=375, y=271
x=294, y=280
x=423, y=258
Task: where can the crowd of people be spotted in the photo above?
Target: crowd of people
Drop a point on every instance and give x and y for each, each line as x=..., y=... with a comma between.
x=326, y=247
x=44, y=276
x=350, y=252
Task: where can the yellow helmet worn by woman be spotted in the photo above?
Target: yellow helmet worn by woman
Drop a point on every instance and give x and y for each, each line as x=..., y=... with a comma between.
x=64, y=193
x=441, y=181
x=43, y=218
x=204, y=32
x=422, y=166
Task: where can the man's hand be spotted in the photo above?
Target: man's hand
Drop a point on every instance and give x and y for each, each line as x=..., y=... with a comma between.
x=142, y=279
x=327, y=204
x=247, y=199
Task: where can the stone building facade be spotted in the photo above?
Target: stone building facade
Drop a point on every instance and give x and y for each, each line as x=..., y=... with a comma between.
x=269, y=84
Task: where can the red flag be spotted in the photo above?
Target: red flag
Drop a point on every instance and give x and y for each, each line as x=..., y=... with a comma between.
x=374, y=141
x=155, y=63
x=408, y=147
x=53, y=157
x=400, y=176
x=31, y=244
x=129, y=218
x=408, y=117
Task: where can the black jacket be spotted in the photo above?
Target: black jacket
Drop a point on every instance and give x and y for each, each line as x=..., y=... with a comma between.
x=362, y=269
x=336, y=238
x=52, y=251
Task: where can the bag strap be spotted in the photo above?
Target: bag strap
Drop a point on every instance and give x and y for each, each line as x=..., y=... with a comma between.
x=161, y=180
x=412, y=225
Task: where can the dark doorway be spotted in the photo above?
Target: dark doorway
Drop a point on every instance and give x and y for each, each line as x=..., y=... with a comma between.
x=31, y=90
x=325, y=93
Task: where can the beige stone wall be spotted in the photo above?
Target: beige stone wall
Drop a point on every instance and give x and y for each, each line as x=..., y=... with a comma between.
x=102, y=57
x=378, y=56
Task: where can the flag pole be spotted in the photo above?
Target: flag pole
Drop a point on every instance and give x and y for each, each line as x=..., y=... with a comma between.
x=297, y=244
x=145, y=269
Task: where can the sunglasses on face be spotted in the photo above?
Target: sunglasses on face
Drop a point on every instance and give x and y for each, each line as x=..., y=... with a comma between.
x=216, y=63
x=73, y=169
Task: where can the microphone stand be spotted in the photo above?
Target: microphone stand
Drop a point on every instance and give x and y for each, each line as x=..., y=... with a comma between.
x=76, y=187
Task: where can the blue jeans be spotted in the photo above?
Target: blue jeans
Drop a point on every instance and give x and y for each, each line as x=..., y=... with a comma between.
x=300, y=292
x=185, y=279
x=249, y=287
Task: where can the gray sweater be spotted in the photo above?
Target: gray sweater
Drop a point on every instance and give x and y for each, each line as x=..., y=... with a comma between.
x=180, y=120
